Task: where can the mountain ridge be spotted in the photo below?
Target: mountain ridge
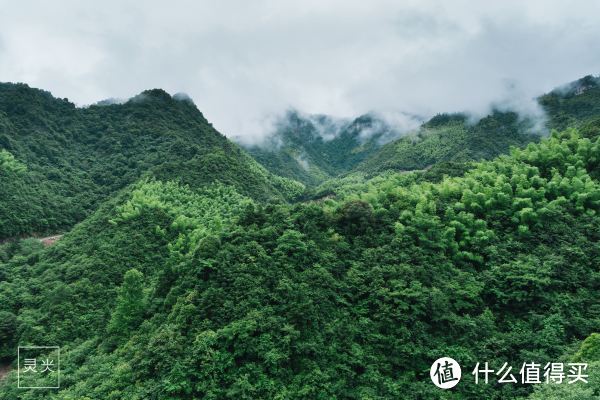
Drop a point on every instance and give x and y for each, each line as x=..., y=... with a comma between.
x=311, y=148
x=76, y=157
x=572, y=104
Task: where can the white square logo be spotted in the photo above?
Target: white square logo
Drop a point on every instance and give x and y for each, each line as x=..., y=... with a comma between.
x=38, y=367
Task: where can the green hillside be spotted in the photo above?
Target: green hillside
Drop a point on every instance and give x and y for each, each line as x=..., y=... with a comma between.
x=446, y=143
x=166, y=292
x=576, y=104
x=313, y=148
x=70, y=159
x=189, y=271
x=451, y=138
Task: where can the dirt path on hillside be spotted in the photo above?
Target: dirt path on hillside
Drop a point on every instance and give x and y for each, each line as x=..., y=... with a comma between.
x=49, y=240
x=4, y=370
x=46, y=241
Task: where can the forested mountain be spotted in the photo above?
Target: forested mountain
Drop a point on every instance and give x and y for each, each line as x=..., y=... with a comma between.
x=190, y=277
x=452, y=138
x=66, y=160
x=576, y=104
x=313, y=148
x=171, y=293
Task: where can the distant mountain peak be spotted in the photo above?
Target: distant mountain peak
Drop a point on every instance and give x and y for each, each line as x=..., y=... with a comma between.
x=579, y=86
x=152, y=94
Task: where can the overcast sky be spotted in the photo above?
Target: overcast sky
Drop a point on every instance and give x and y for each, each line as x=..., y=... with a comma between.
x=244, y=61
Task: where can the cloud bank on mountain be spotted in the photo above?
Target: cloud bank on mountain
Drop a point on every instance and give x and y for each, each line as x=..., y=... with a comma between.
x=243, y=62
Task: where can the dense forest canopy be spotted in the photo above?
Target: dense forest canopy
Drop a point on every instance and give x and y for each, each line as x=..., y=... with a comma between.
x=75, y=158
x=313, y=148
x=304, y=148
x=193, y=272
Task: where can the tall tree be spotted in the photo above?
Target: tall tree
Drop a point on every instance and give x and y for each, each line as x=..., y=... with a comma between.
x=130, y=306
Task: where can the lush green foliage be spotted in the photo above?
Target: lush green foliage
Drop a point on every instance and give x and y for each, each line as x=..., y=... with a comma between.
x=189, y=276
x=8, y=164
x=299, y=150
x=78, y=157
x=349, y=297
x=311, y=149
x=451, y=138
x=316, y=150
x=576, y=104
x=130, y=305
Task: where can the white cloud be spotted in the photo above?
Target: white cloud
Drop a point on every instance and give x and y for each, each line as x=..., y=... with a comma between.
x=243, y=62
